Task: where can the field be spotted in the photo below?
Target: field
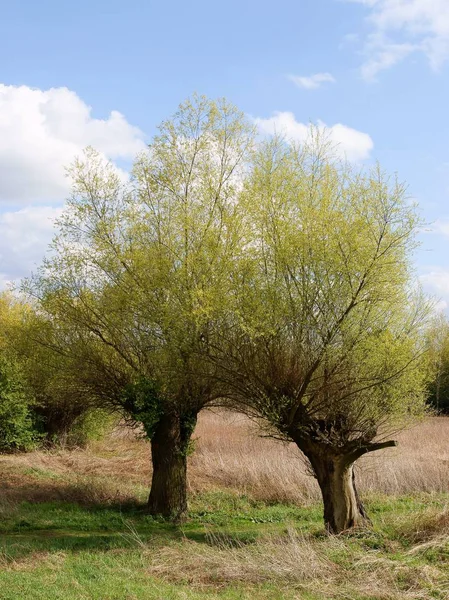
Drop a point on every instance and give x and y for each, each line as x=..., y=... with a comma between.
x=72, y=525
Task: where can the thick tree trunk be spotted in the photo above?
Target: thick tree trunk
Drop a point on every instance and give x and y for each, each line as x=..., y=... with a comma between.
x=169, y=447
x=342, y=506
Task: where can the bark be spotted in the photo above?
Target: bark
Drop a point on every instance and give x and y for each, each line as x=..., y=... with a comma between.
x=169, y=448
x=342, y=506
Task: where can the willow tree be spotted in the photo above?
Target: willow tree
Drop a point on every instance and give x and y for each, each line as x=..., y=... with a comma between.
x=324, y=343
x=139, y=271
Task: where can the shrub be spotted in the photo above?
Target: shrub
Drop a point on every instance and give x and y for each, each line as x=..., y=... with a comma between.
x=16, y=426
x=92, y=425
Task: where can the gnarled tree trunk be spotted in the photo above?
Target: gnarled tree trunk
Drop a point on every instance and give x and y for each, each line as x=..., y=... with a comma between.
x=169, y=448
x=342, y=506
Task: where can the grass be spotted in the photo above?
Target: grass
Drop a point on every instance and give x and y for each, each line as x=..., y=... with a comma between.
x=72, y=524
x=231, y=547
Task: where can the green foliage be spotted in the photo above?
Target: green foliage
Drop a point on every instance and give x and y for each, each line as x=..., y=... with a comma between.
x=16, y=426
x=142, y=402
x=139, y=272
x=325, y=339
x=91, y=426
x=51, y=377
x=439, y=393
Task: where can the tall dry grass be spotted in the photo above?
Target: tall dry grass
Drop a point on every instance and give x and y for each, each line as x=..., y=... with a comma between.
x=335, y=567
x=229, y=454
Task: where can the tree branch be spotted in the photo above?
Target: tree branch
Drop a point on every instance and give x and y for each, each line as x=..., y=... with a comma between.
x=381, y=445
x=371, y=447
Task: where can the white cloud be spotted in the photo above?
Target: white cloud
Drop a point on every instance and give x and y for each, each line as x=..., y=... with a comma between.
x=350, y=38
x=40, y=133
x=436, y=282
x=313, y=82
x=441, y=227
x=382, y=55
x=352, y=144
x=24, y=237
x=400, y=27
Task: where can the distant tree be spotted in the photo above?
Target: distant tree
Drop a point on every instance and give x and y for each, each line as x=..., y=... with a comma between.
x=60, y=401
x=139, y=272
x=324, y=342
x=438, y=344
x=16, y=426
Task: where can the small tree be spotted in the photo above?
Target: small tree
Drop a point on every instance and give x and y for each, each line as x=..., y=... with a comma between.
x=139, y=272
x=324, y=342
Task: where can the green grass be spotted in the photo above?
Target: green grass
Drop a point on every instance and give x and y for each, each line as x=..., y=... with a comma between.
x=59, y=550
x=106, y=577
x=53, y=551
x=55, y=526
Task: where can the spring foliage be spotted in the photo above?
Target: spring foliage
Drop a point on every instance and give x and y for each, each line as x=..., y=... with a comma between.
x=140, y=269
x=327, y=322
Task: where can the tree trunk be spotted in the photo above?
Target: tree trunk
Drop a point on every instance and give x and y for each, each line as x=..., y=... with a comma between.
x=342, y=506
x=169, y=448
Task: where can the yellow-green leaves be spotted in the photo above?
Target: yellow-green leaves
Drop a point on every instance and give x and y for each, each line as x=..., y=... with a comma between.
x=141, y=270
x=328, y=319
x=230, y=268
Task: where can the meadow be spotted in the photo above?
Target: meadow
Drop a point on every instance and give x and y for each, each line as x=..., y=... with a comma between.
x=73, y=526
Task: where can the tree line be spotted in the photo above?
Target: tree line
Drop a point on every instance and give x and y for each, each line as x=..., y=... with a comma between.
x=261, y=275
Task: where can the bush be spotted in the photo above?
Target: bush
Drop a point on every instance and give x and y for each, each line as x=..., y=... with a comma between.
x=92, y=425
x=16, y=426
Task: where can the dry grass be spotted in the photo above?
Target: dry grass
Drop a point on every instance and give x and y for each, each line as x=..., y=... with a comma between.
x=229, y=455
x=292, y=558
x=424, y=527
x=331, y=567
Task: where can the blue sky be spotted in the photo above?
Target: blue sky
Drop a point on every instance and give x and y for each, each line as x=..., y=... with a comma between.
x=107, y=72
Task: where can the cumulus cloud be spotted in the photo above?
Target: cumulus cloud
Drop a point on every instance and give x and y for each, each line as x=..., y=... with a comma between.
x=313, y=82
x=24, y=237
x=351, y=143
x=400, y=27
x=40, y=133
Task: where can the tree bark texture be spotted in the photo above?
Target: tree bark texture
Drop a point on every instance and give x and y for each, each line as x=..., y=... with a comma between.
x=169, y=448
x=342, y=506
